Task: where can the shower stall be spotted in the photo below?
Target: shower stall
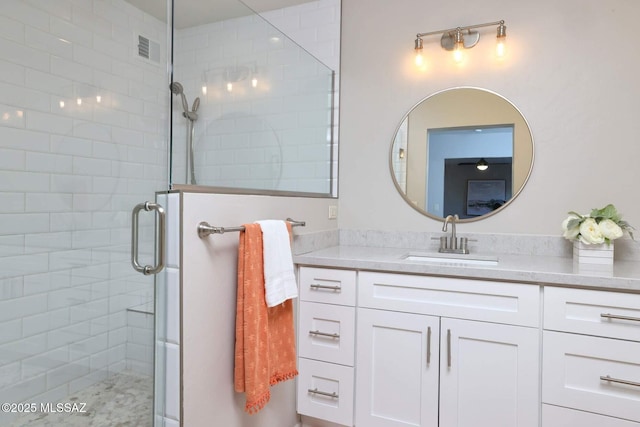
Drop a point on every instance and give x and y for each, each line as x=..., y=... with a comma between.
x=95, y=120
x=84, y=114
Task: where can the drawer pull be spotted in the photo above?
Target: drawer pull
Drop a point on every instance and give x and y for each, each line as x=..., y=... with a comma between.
x=428, y=345
x=619, y=317
x=619, y=381
x=324, y=334
x=323, y=393
x=448, y=348
x=316, y=287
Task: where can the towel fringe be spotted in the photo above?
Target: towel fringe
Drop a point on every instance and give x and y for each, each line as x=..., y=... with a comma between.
x=254, y=407
x=278, y=377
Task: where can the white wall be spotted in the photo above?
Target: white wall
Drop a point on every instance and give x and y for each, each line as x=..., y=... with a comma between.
x=69, y=176
x=570, y=68
x=208, y=298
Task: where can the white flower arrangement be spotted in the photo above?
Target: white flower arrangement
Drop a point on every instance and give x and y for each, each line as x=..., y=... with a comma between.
x=600, y=226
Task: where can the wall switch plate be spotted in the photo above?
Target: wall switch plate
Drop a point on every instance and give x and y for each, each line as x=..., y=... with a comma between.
x=333, y=212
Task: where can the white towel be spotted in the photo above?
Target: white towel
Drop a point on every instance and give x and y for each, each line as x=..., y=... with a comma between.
x=279, y=279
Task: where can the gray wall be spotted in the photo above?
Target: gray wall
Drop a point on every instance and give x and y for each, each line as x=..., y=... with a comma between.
x=568, y=69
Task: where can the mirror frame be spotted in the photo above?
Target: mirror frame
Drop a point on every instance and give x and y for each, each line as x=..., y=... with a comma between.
x=465, y=220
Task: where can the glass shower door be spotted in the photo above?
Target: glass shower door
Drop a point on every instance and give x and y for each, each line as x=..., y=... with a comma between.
x=83, y=139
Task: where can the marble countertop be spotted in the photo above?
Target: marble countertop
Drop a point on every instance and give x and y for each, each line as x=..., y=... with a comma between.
x=536, y=269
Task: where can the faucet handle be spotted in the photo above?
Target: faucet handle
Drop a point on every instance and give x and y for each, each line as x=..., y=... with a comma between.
x=463, y=243
x=443, y=242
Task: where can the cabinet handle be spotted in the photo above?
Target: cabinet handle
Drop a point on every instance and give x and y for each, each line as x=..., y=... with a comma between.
x=324, y=334
x=428, y=345
x=619, y=317
x=316, y=287
x=448, y=348
x=323, y=393
x=619, y=381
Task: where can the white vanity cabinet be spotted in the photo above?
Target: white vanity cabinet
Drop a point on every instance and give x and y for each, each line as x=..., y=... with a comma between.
x=446, y=352
x=591, y=359
x=326, y=344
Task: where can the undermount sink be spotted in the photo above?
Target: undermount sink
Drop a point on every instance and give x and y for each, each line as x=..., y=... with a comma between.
x=451, y=258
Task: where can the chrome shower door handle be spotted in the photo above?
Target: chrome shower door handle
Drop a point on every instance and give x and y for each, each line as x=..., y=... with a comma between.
x=160, y=237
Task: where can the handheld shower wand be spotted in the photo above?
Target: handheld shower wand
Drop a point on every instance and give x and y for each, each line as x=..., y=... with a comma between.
x=191, y=116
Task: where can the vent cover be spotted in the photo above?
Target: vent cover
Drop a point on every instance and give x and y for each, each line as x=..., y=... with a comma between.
x=148, y=49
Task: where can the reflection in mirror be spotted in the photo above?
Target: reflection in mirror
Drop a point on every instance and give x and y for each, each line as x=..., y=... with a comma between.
x=464, y=151
x=265, y=118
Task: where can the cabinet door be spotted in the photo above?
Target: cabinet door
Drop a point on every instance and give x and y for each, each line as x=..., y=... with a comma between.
x=396, y=369
x=488, y=375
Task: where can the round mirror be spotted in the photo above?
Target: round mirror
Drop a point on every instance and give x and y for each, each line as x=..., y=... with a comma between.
x=464, y=151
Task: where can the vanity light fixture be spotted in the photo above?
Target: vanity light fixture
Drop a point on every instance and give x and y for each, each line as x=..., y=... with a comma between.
x=461, y=38
x=482, y=165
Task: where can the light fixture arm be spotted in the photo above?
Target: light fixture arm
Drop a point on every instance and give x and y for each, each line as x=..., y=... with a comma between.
x=453, y=30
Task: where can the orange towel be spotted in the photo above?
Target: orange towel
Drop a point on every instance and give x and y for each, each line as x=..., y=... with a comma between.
x=265, y=352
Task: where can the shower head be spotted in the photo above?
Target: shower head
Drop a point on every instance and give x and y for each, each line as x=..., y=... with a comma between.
x=196, y=104
x=177, y=89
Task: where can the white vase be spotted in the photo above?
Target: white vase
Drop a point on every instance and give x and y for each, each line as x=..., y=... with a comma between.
x=593, y=254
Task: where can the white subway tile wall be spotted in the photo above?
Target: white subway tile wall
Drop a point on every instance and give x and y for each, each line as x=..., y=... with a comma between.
x=265, y=119
x=82, y=140
x=167, y=367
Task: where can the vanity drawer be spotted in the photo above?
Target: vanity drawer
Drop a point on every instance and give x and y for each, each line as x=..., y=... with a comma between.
x=511, y=303
x=555, y=416
x=584, y=311
x=326, y=332
x=574, y=374
x=325, y=391
x=327, y=285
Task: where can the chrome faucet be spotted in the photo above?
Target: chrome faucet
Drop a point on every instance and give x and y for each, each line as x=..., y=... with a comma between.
x=453, y=241
x=452, y=245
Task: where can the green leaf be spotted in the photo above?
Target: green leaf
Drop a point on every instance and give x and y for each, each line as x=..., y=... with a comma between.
x=608, y=212
x=573, y=223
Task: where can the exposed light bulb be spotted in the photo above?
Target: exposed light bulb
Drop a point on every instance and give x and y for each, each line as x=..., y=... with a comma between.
x=458, y=47
x=98, y=99
x=254, y=82
x=457, y=54
x=500, y=47
x=501, y=40
x=204, y=89
x=418, y=49
x=79, y=101
x=229, y=87
x=482, y=165
x=61, y=103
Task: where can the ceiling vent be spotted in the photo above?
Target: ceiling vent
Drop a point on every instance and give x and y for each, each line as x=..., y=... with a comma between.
x=148, y=49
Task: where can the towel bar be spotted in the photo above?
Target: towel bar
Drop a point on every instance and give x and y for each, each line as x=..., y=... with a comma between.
x=204, y=229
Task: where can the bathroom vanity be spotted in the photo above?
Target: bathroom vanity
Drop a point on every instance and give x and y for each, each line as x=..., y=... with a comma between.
x=531, y=341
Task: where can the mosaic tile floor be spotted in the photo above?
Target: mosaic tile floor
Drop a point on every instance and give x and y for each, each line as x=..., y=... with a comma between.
x=123, y=400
